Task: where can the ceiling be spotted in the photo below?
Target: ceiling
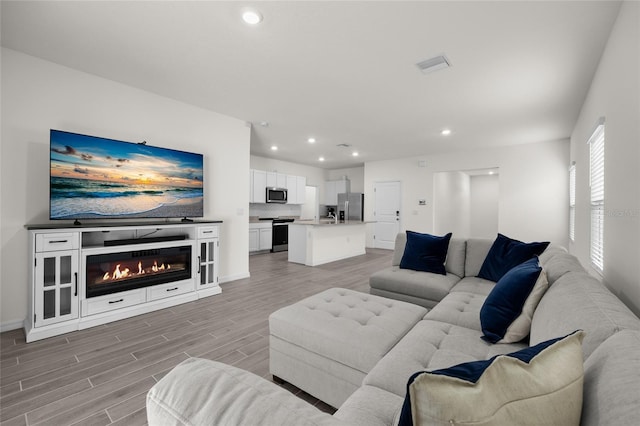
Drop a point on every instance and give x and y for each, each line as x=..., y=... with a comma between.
x=341, y=72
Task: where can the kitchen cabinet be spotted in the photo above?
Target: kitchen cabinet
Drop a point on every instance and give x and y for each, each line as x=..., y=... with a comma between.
x=301, y=185
x=296, y=189
x=276, y=180
x=260, y=236
x=258, y=185
x=259, y=180
x=334, y=187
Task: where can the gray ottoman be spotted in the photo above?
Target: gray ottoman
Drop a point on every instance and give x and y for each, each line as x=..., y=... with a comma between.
x=326, y=344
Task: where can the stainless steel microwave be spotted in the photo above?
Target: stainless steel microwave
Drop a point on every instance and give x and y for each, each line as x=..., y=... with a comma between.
x=277, y=195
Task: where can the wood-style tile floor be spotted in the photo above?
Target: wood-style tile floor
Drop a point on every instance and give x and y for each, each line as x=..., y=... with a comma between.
x=100, y=376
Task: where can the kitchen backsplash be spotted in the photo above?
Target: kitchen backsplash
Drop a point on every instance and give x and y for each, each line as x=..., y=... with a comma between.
x=273, y=210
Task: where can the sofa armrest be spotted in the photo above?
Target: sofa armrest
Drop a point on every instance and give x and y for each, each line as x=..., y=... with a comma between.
x=203, y=392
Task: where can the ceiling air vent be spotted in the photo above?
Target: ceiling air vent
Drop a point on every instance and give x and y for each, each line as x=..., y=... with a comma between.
x=343, y=145
x=434, y=64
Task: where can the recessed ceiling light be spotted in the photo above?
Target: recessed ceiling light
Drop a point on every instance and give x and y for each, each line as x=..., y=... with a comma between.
x=354, y=153
x=311, y=140
x=264, y=123
x=321, y=159
x=491, y=172
x=274, y=148
x=251, y=17
x=445, y=132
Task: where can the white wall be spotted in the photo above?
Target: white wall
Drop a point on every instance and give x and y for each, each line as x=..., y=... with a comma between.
x=484, y=202
x=354, y=174
x=451, y=203
x=533, y=188
x=38, y=95
x=615, y=95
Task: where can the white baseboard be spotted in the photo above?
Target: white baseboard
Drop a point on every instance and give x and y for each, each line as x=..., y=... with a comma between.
x=11, y=325
x=235, y=277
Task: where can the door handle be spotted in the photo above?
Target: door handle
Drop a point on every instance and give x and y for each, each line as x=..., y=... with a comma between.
x=76, y=277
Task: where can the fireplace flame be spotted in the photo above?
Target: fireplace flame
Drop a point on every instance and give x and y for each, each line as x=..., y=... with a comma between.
x=126, y=272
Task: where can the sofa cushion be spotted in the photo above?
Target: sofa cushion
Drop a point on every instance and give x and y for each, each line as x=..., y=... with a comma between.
x=203, y=392
x=506, y=253
x=579, y=301
x=424, y=285
x=559, y=264
x=455, y=257
x=477, y=250
x=474, y=285
x=431, y=345
x=506, y=313
x=611, y=385
x=456, y=253
x=458, y=308
x=541, y=384
x=370, y=406
x=425, y=252
x=549, y=252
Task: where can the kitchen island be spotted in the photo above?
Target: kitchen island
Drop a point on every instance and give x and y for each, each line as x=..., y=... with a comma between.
x=315, y=243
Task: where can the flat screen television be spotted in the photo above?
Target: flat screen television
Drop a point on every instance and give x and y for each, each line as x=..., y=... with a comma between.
x=98, y=178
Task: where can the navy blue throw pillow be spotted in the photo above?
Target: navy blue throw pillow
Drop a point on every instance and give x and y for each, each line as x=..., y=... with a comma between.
x=506, y=253
x=425, y=252
x=504, y=304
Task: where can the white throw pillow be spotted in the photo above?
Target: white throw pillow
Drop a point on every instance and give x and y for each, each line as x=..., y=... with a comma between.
x=539, y=385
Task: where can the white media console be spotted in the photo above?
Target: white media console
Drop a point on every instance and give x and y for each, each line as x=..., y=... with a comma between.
x=87, y=275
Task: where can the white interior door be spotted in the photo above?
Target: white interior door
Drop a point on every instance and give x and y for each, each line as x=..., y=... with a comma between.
x=386, y=214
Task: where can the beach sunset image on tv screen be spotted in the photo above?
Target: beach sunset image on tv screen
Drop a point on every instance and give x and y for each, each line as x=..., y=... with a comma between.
x=96, y=178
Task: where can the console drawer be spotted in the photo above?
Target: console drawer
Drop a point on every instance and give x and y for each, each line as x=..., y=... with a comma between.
x=168, y=290
x=57, y=241
x=115, y=301
x=207, y=232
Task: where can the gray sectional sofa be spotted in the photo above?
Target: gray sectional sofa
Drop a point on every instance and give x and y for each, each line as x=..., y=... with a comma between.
x=205, y=392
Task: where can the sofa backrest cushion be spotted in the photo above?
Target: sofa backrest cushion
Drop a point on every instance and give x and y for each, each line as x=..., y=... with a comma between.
x=611, y=385
x=559, y=264
x=398, y=251
x=578, y=300
x=477, y=249
x=455, y=257
x=455, y=262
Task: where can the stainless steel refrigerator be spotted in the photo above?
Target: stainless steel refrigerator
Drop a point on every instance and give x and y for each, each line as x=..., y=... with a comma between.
x=350, y=206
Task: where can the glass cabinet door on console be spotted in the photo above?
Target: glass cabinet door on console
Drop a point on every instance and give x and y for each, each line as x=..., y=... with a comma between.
x=56, y=287
x=207, y=262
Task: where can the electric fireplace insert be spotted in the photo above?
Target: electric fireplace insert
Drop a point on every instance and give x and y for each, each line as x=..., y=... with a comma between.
x=128, y=270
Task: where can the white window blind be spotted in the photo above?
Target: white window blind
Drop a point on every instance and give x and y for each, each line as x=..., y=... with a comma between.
x=596, y=183
x=572, y=202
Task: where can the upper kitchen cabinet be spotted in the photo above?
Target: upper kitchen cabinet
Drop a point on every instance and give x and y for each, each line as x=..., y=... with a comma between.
x=259, y=180
x=296, y=189
x=334, y=187
x=276, y=180
x=258, y=183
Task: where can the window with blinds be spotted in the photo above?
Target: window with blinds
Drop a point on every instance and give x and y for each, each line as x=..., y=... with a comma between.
x=572, y=202
x=596, y=184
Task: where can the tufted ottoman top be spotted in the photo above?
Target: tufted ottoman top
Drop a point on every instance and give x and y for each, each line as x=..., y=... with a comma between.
x=353, y=328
